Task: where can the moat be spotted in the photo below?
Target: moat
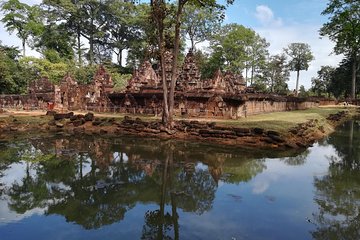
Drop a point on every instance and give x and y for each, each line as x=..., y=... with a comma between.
x=91, y=187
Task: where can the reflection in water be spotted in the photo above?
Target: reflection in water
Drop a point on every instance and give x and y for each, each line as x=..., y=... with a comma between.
x=95, y=182
x=181, y=190
x=338, y=192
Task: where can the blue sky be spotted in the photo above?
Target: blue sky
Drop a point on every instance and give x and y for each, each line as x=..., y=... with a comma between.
x=281, y=22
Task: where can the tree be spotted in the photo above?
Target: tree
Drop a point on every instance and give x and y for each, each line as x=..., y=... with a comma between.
x=120, y=27
x=277, y=74
x=55, y=39
x=11, y=74
x=300, y=54
x=338, y=86
x=321, y=83
x=232, y=43
x=200, y=23
x=257, y=53
x=23, y=19
x=344, y=29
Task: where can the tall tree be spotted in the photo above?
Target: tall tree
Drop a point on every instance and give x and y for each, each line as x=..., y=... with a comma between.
x=23, y=19
x=300, y=56
x=120, y=27
x=257, y=53
x=277, y=74
x=321, y=83
x=344, y=29
x=338, y=86
x=200, y=23
x=233, y=42
x=159, y=9
x=69, y=12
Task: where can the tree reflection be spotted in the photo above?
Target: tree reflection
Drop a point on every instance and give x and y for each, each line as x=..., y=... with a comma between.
x=94, y=181
x=338, y=193
x=297, y=160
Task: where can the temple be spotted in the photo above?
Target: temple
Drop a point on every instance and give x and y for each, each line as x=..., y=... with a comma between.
x=225, y=95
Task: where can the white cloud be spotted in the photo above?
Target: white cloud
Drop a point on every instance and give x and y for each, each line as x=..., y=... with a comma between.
x=280, y=37
x=265, y=16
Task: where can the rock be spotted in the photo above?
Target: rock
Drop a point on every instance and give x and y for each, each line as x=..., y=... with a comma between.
x=50, y=113
x=111, y=120
x=73, y=118
x=13, y=129
x=268, y=140
x=52, y=123
x=300, y=144
x=60, y=116
x=276, y=138
x=290, y=145
x=149, y=130
x=78, y=122
x=217, y=133
x=79, y=130
x=102, y=131
x=59, y=124
x=96, y=123
x=89, y=117
x=258, y=131
x=274, y=133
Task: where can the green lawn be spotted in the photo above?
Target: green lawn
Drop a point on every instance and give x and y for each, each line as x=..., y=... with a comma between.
x=278, y=121
x=282, y=121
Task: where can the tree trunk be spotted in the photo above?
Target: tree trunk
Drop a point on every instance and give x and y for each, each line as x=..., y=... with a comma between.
x=91, y=49
x=192, y=43
x=272, y=81
x=79, y=46
x=23, y=46
x=252, y=74
x=158, y=16
x=246, y=76
x=353, y=78
x=91, y=44
x=174, y=63
x=297, y=82
x=119, y=57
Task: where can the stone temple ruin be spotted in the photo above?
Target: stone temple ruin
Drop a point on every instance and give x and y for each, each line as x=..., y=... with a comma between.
x=225, y=95
x=67, y=95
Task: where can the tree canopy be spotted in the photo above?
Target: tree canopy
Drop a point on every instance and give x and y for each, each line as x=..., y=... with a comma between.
x=343, y=28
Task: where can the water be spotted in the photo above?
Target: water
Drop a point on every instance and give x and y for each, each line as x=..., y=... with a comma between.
x=130, y=188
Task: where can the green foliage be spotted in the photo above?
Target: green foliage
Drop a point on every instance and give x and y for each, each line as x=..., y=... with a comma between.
x=120, y=80
x=300, y=56
x=344, y=25
x=22, y=18
x=200, y=23
x=84, y=74
x=277, y=74
x=340, y=85
x=55, y=39
x=257, y=53
x=321, y=83
x=34, y=68
x=303, y=92
x=231, y=43
x=211, y=64
x=11, y=80
x=343, y=28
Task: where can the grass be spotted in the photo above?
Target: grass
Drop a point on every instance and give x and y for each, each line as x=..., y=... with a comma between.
x=282, y=121
x=277, y=121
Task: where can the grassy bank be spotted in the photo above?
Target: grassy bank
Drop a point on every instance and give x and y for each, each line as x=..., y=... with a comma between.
x=277, y=121
x=283, y=121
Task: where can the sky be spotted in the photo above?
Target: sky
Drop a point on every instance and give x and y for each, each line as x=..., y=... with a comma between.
x=281, y=22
